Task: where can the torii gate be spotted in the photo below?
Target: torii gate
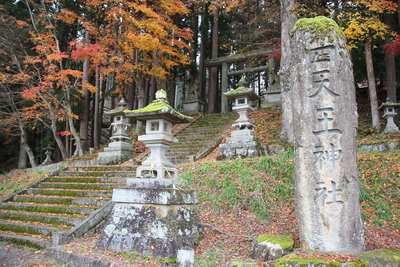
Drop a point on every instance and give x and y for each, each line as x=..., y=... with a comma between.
x=224, y=61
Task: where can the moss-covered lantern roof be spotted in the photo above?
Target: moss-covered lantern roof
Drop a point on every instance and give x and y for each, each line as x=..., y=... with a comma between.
x=158, y=109
x=242, y=91
x=117, y=111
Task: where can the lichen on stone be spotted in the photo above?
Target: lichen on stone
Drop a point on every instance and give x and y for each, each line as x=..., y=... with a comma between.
x=320, y=26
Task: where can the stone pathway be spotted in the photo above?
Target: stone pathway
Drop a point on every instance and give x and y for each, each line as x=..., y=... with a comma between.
x=11, y=255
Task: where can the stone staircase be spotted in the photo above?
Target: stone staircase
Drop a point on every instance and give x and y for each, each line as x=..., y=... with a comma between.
x=198, y=139
x=76, y=201
x=64, y=206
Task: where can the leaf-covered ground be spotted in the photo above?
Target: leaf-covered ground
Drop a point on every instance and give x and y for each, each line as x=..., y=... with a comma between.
x=241, y=199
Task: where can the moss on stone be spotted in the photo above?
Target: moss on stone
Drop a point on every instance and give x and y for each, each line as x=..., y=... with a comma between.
x=157, y=105
x=322, y=27
x=285, y=241
x=239, y=90
x=381, y=256
x=323, y=259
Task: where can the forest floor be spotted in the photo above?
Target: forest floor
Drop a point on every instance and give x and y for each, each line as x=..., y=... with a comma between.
x=241, y=199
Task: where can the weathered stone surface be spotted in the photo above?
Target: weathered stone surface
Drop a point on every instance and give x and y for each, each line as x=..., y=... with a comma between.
x=324, y=123
x=157, y=231
x=381, y=147
x=270, y=247
x=242, y=263
x=185, y=257
x=239, y=150
x=75, y=260
x=161, y=196
x=381, y=257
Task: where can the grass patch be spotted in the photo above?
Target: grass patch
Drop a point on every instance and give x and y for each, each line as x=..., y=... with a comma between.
x=257, y=185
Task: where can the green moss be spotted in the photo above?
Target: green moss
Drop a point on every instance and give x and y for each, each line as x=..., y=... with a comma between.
x=330, y=260
x=157, y=105
x=321, y=27
x=19, y=229
x=382, y=255
x=46, y=201
x=133, y=255
x=239, y=90
x=39, y=209
x=24, y=218
x=25, y=244
x=60, y=193
x=285, y=241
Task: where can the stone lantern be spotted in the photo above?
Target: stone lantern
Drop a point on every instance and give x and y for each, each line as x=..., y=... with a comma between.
x=243, y=142
x=120, y=148
x=48, y=154
x=158, y=117
x=153, y=216
x=389, y=112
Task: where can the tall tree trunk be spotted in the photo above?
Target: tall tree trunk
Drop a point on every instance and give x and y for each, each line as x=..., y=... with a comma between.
x=193, y=75
x=23, y=158
x=398, y=11
x=96, y=126
x=202, y=53
x=213, y=86
x=371, y=84
x=140, y=83
x=27, y=149
x=60, y=144
x=130, y=95
x=288, y=21
x=78, y=141
x=84, y=122
x=390, y=64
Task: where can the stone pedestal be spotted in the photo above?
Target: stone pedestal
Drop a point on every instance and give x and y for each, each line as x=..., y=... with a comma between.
x=116, y=153
x=155, y=222
x=192, y=107
x=272, y=98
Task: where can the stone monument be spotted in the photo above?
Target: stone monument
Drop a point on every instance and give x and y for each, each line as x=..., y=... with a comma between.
x=193, y=104
x=325, y=131
x=120, y=148
x=389, y=112
x=272, y=97
x=154, y=214
x=243, y=142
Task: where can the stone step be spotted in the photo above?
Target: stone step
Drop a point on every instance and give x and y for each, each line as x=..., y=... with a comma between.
x=127, y=168
x=25, y=240
x=119, y=174
x=39, y=217
x=71, y=193
x=88, y=180
x=81, y=186
x=183, y=151
x=60, y=200
x=18, y=227
x=11, y=206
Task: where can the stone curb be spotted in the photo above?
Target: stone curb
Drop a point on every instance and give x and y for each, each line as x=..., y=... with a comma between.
x=75, y=260
x=88, y=226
